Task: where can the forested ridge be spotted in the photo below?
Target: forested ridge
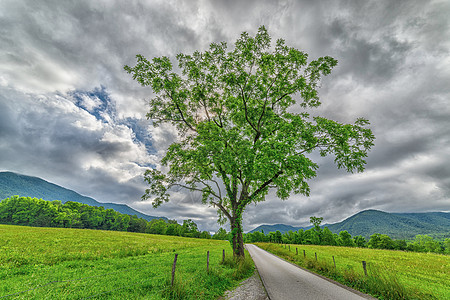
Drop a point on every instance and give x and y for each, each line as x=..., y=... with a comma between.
x=396, y=225
x=17, y=184
x=29, y=211
x=324, y=236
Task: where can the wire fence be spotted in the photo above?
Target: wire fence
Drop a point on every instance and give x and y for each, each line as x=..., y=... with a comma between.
x=286, y=246
x=149, y=276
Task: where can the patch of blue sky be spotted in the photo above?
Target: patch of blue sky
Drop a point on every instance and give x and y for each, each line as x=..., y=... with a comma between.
x=141, y=133
x=97, y=102
x=146, y=165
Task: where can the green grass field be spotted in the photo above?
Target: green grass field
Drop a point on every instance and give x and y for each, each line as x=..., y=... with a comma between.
x=424, y=274
x=55, y=263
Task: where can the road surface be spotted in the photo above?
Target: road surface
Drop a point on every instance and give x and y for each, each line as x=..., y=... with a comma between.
x=285, y=281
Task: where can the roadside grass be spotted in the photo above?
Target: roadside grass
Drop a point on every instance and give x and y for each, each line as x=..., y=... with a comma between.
x=391, y=274
x=186, y=287
x=58, y=263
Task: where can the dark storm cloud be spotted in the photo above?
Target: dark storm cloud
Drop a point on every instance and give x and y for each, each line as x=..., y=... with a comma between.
x=70, y=114
x=373, y=62
x=7, y=128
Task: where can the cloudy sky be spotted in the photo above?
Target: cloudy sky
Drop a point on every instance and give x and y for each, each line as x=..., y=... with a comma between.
x=70, y=114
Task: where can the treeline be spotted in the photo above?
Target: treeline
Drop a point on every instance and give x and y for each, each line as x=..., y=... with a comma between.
x=324, y=236
x=28, y=211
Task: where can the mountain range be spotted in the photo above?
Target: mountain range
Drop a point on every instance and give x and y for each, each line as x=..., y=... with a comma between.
x=12, y=184
x=395, y=225
x=364, y=223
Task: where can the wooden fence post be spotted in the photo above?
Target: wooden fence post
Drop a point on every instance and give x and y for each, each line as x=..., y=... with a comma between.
x=289, y=247
x=207, y=262
x=334, y=262
x=364, y=267
x=315, y=255
x=304, y=253
x=173, y=267
x=296, y=250
x=223, y=256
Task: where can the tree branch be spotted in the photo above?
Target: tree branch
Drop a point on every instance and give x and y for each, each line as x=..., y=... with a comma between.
x=185, y=186
x=246, y=110
x=226, y=182
x=211, y=189
x=279, y=99
x=219, y=125
x=180, y=111
x=223, y=209
x=196, y=189
x=218, y=187
x=206, y=110
x=263, y=186
x=234, y=181
x=265, y=104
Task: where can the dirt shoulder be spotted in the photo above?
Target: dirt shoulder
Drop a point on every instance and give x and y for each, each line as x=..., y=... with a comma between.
x=250, y=289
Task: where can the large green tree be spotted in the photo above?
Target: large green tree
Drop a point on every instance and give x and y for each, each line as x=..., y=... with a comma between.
x=243, y=125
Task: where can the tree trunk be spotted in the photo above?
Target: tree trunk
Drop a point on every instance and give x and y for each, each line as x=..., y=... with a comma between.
x=237, y=240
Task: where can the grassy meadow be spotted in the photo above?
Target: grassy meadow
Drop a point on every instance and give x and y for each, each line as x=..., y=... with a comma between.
x=392, y=274
x=57, y=263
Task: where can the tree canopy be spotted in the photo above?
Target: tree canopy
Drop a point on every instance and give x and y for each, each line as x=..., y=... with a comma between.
x=243, y=125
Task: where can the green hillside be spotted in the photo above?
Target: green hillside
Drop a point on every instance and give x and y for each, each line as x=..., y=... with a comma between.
x=12, y=184
x=395, y=225
x=277, y=227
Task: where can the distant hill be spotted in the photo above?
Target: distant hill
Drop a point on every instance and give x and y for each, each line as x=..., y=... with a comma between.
x=280, y=227
x=395, y=225
x=12, y=184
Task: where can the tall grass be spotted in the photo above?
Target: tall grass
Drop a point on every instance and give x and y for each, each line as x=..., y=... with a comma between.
x=57, y=263
x=431, y=279
x=215, y=281
x=243, y=268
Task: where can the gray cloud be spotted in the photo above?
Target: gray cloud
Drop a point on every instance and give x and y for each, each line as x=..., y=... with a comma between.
x=393, y=69
x=50, y=137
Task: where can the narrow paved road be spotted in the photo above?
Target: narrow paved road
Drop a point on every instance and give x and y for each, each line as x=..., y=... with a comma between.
x=285, y=281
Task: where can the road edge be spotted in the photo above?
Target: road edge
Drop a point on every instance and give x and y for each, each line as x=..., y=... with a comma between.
x=259, y=275
x=359, y=293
